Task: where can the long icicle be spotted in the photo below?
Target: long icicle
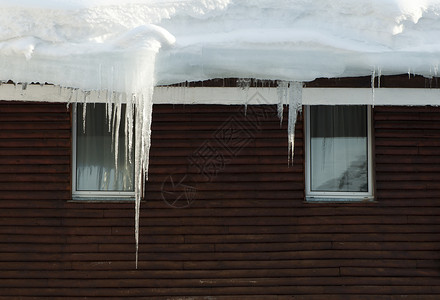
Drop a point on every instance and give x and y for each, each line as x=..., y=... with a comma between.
x=282, y=91
x=244, y=84
x=295, y=106
x=138, y=174
x=118, y=111
x=144, y=109
x=84, y=114
x=373, y=92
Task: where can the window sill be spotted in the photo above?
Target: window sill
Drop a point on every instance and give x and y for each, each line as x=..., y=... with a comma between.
x=318, y=199
x=107, y=199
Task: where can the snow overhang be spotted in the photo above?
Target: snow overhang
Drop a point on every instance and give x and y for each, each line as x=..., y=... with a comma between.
x=125, y=47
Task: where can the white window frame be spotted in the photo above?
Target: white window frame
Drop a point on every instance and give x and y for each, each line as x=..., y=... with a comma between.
x=314, y=196
x=92, y=195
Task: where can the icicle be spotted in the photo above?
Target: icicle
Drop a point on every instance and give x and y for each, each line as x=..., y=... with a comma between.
x=144, y=109
x=116, y=135
x=436, y=74
x=180, y=91
x=84, y=113
x=129, y=123
x=244, y=84
x=379, y=75
x=373, y=75
x=295, y=106
x=138, y=176
x=109, y=109
x=113, y=119
x=282, y=91
x=76, y=95
x=69, y=101
x=70, y=97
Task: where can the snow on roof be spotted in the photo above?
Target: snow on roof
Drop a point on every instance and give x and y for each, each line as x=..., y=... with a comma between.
x=109, y=44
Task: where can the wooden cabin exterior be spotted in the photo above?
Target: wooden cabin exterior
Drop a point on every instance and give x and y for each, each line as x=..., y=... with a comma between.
x=243, y=229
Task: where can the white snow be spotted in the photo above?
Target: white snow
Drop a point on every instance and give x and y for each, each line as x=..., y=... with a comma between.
x=202, y=39
x=127, y=47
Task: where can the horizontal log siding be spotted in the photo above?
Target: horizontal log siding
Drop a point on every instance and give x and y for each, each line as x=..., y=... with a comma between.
x=248, y=234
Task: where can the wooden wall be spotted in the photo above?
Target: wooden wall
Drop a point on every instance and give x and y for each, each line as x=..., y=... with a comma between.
x=247, y=233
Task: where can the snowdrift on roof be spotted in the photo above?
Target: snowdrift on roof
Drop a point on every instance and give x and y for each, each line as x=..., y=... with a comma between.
x=97, y=44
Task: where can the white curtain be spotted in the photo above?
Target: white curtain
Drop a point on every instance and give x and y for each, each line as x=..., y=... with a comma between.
x=339, y=148
x=95, y=155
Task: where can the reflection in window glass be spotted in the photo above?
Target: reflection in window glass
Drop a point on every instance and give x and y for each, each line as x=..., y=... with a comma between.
x=95, y=156
x=338, y=149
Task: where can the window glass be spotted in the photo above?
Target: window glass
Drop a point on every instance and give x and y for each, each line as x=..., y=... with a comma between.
x=95, y=153
x=338, y=145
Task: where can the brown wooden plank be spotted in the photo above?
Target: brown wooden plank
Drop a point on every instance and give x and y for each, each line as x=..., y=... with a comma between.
x=251, y=194
x=29, y=177
x=34, y=169
x=236, y=186
x=34, y=117
x=195, y=134
x=383, y=167
x=35, y=186
x=52, y=212
x=42, y=142
x=41, y=133
x=41, y=159
x=216, y=282
x=233, y=169
x=214, y=291
x=253, y=159
x=208, y=125
x=298, y=264
x=415, y=175
x=19, y=125
x=426, y=125
x=214, y=256
x=388, y=272
x=32, y=151
x=32, y=107
x=35, y=195
x=168, y=274
x=405, y=109
x=407, y=159
x=228, y=154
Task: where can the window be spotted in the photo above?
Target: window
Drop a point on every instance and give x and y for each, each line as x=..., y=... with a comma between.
x=95, y=174
x=338, y=153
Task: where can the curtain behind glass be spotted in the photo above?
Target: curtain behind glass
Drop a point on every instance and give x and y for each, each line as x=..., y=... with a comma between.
x=95, y=156
x=339, y=148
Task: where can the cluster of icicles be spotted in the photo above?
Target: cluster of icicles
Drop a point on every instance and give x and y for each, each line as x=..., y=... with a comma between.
x=137, y=118
x=138, y=115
